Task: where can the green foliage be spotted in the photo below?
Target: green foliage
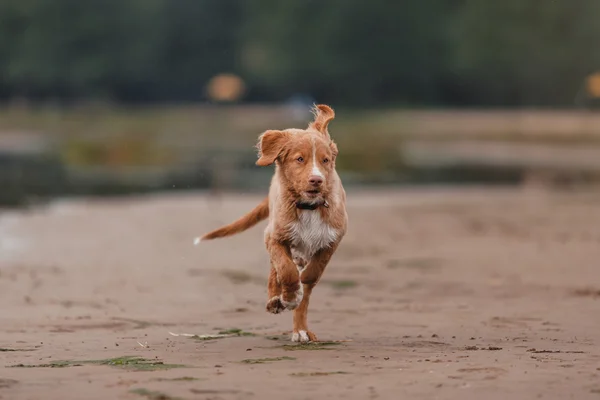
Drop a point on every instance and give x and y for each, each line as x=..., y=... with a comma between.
x=131, y=363
x=128, y=50
x=266, y=360
x=348, y=52
x=519, y=52
x=366, y=52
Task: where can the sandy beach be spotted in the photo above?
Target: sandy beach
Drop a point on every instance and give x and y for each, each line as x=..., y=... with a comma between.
x=464, y=293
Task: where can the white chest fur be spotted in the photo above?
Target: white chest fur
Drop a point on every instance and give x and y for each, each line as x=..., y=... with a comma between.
x=310, y=234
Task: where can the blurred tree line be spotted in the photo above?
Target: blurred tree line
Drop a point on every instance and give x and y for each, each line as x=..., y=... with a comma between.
x=348, y=52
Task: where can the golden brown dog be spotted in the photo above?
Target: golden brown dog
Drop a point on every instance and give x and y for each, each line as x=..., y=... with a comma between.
x=306, y=211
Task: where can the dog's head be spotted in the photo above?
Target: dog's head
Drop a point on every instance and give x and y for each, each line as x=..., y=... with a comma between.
x=304, y=157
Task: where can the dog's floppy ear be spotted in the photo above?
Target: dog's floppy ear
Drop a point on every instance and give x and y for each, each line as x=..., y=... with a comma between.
x=323, y=116
x=270, y=144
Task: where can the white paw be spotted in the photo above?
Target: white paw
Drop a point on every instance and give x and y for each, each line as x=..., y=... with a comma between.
x=197, y=241
x=300, y=336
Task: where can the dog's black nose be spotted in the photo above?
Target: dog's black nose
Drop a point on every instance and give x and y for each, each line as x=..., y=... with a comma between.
x=315, y=180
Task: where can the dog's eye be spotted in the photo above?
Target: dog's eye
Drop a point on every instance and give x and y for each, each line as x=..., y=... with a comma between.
x=300, y=159
x=326, y=160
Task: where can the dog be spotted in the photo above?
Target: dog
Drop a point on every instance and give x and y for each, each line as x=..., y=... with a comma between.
x=306, y=208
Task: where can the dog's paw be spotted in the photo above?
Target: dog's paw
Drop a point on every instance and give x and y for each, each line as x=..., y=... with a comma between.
x=274, y=305
x=294, y=302
x=304, y=337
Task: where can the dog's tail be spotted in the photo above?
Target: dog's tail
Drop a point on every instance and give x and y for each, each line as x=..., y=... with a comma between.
x=259, y=213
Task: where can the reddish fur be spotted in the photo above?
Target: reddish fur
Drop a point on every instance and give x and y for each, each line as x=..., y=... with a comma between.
x=289, y=185
x=323, y=116
x=286, y=147
x=259, y=213
x=310, y=278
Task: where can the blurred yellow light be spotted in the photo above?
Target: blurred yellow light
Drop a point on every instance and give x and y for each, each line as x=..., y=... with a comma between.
x=593, y=85
x=225, y=87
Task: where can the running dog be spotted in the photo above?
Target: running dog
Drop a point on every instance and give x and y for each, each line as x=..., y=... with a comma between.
x=306, y=208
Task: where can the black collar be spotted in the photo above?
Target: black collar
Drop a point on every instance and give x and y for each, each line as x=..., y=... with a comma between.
x=310, y=206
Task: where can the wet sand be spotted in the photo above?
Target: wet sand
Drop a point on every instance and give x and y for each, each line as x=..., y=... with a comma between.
x=433, y=294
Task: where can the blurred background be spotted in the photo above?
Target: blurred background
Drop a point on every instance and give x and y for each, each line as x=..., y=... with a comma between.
x=107, y=97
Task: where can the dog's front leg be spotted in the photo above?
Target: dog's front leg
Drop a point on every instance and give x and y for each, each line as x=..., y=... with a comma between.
x=274, y=293
x=310, y=277
x=287, y=278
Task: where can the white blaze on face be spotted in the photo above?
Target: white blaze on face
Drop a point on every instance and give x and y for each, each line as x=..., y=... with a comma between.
x=315, y=170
